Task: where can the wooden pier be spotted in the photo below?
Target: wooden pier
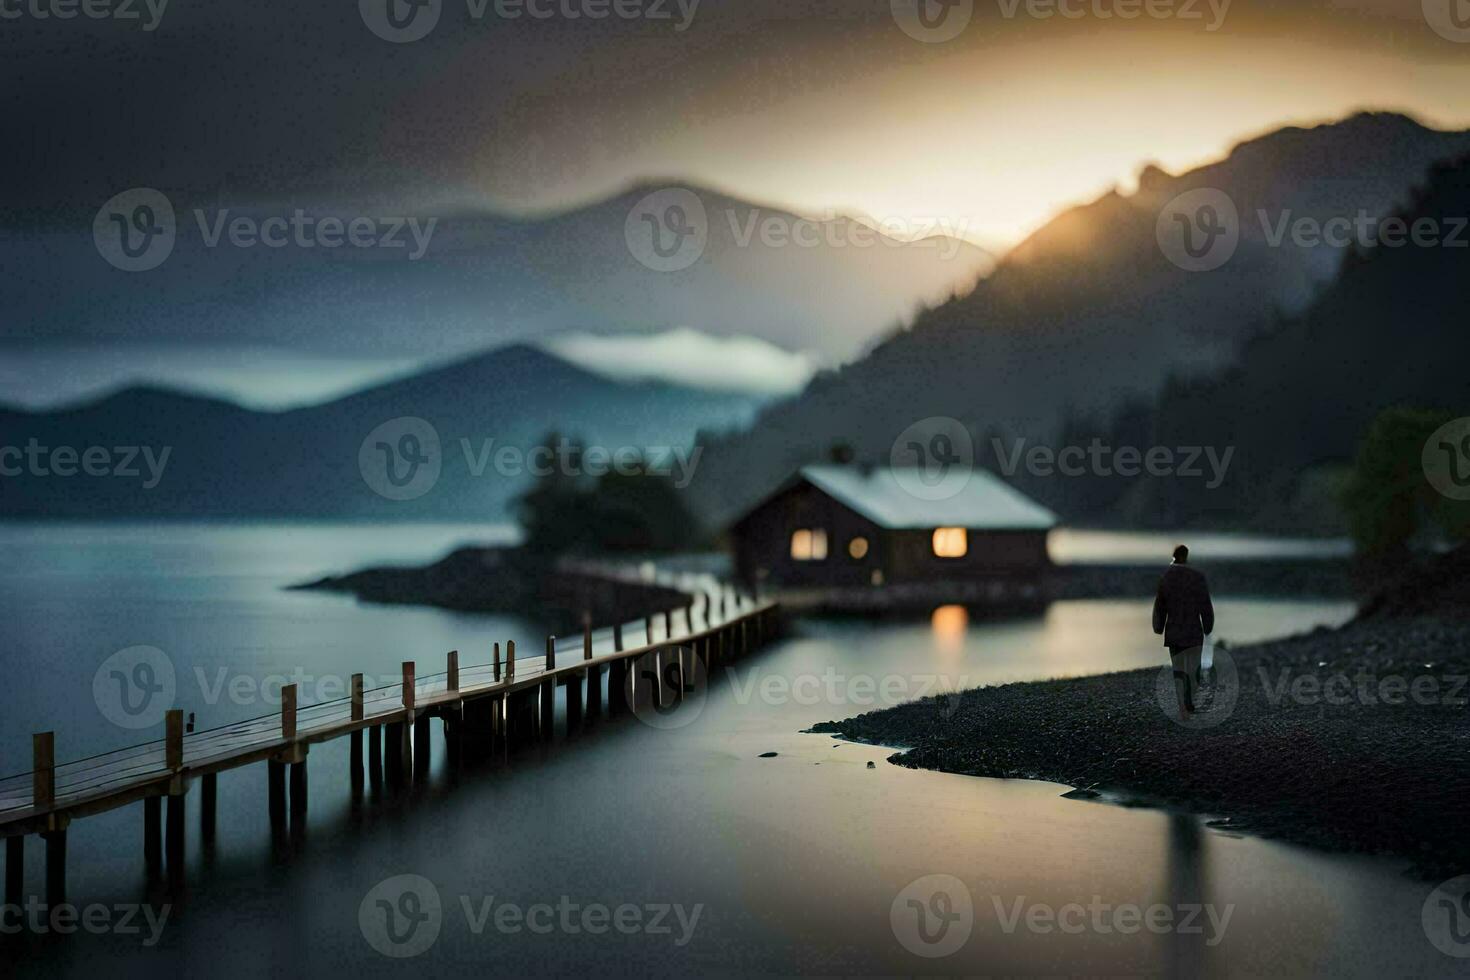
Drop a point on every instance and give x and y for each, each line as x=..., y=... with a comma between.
x=495, y=707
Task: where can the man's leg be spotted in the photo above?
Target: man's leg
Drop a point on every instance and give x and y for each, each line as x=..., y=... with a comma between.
x=1184, y=680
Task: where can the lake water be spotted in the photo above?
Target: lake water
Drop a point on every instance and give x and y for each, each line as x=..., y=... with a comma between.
x=794, y=863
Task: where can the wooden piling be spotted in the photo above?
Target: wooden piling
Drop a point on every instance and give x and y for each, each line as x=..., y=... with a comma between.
x=288, y=712
x=208, y=805
x=510, y=660
x=153, y=834
x=55, y=867
x=453, y=670
x=15, y=869
x=43, y=765
x=495, y=660
x=174, y=839
x=551, y=653
x=574, y=704
x=548, y=709
x=618, y=637
x=276, y=791
x=421, y=754
x=298, y=786
x=173, y=729
x=408, y=693
x=375, y=754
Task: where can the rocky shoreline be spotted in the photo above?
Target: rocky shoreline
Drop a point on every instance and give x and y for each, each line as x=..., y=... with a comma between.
x=1354, y=740
x=485, y=579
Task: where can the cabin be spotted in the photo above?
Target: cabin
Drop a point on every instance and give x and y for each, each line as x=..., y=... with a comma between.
x=837, y=526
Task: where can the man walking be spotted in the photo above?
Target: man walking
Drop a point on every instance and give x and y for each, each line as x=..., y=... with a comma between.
x=1184, y=615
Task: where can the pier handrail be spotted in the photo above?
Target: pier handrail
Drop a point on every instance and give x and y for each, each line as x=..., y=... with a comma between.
x=717, y=607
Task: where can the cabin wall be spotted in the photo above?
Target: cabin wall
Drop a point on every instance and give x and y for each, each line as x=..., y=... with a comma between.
x=991, y=553
x=763, y=541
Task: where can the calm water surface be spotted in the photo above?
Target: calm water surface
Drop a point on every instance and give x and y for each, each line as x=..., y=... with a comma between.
x=794, y=862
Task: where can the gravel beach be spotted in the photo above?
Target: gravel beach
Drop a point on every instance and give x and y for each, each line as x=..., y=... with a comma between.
x=1355, y=739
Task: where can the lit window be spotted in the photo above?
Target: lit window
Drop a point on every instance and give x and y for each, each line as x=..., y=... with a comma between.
x=809, y=545
x=951, y=542
x=858, y=548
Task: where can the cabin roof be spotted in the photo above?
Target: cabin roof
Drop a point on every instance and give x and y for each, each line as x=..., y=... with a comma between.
x=877, y=493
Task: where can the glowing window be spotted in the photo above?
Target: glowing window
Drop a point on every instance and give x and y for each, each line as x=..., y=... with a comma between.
x=951, y=542
x=858, y=548
x=808, y=544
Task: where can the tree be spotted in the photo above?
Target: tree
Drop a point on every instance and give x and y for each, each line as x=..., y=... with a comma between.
x=1388, y=500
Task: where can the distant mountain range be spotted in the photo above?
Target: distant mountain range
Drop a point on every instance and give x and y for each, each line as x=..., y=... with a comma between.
x=329, y=460
x=1089, y=316
x=829, y=285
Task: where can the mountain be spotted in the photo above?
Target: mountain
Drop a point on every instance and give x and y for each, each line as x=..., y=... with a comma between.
x=828, y=286
x=1389, y=330
x=1089, y=315
x=325, y=461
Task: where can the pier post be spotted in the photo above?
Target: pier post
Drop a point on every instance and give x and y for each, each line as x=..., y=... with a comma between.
x=208, y=805
x=668, y=624
x=288, y=712
x=55, y=867
x=43, y=766
x=275, y=773
x=574, y=703
x=548, y=693
x=617, y=692
x=356, y=751
x=421, y=753
x=15, y=869
x=174, y=839
x=408, y=684
x=648, y=629
x=618, y=637
x=298, y=786
x=495, y=661
x=173, y=734
x=453, y=670
x=510, y=660
x=375, y=754
x=594, y=677
x=394, y=751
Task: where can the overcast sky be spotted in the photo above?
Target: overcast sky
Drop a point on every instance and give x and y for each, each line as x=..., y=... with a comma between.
x=813, y=104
